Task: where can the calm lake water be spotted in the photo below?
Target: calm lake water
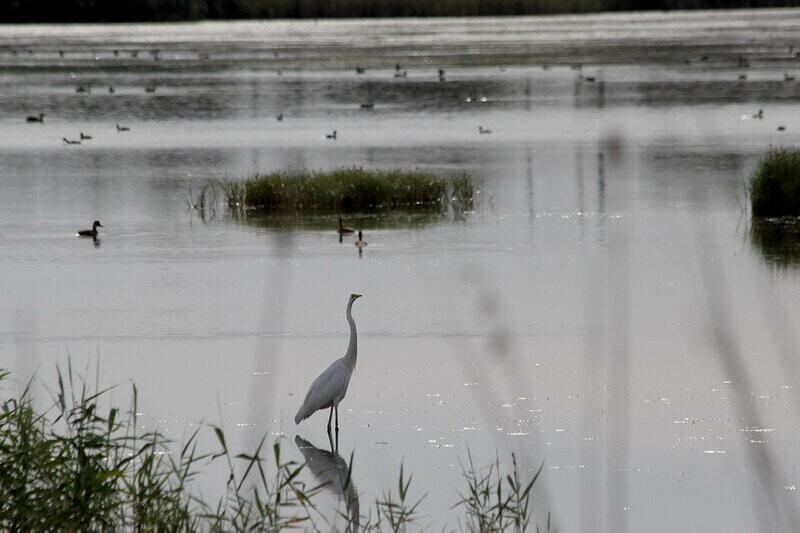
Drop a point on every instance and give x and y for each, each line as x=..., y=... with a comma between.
x=607, y=309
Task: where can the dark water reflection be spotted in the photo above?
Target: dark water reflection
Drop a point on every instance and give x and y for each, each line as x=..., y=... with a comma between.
x=335, y=476
x=777, y=241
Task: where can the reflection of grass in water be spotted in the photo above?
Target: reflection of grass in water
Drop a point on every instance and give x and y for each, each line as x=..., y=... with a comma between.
x=357, y=190
x=778, y=240
x=775, y=184
x=90, y=470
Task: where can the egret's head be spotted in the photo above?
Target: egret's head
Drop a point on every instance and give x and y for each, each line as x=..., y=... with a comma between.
x=354, y=296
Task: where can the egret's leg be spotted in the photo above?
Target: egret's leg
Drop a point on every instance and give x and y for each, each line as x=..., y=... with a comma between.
x=329, y=420
x=337, y=419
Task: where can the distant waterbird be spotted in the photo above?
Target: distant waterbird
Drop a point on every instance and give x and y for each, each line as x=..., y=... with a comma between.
x=330, y=387
x=90, y=232
x=279, y=116
x=360, y=243
x=122, y=128
x=755, y=116
x=344, y=229
x=331, y=135
x=67, y=141
x=85, y=137
x=483, y=131
x=39, y=118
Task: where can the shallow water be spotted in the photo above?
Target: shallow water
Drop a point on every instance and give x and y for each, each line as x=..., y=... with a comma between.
x=604, y=310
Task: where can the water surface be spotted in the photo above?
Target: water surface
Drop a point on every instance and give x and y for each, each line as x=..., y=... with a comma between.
x=605, y=310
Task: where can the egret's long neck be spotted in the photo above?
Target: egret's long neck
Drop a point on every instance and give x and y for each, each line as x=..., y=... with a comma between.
x=352, y=348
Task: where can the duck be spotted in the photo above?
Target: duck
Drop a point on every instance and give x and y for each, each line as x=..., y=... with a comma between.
x=40, y=118
x=483, y=131
x=85, y=137
x=360, y=243
x=279, y=116
x=123, y=128
x=344, y=229
x=90, y=232
x=331, y=135
x=67, y=141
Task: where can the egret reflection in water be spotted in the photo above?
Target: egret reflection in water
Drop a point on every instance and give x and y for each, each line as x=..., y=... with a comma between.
x=333, y=473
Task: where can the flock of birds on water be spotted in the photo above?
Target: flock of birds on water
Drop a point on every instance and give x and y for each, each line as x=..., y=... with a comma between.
x=399, y=72
x=86, y=88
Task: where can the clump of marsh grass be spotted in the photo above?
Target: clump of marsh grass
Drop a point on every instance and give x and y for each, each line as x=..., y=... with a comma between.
x=495, y=501
x=357, y=190
x=83, y=468
x=774, y=186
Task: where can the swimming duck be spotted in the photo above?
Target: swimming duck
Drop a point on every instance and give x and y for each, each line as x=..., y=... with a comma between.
x=331, y=135
x=123, y=128
x=90, y=232
x=67, y=141
x=483, y=131
x=360, y=243
x=344, y=229
x=85, y=137
x=40, y=118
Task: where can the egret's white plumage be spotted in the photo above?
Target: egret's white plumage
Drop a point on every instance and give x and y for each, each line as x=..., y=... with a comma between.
x=331, y=385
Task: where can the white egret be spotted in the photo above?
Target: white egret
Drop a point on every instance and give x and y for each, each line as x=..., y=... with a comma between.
x=330, y=387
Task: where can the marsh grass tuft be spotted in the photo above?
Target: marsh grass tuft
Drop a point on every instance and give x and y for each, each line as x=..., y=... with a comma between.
x=496, y=501
x=357, y=190
x=81, y=468
x=774, y=186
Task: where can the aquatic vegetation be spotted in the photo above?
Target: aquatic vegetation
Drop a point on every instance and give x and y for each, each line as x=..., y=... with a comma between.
x=774, y=186
x=357, y=190
x=80, y=465
x=495, y=501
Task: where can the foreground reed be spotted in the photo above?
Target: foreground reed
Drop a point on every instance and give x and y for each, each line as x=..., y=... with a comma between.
x=77, y=467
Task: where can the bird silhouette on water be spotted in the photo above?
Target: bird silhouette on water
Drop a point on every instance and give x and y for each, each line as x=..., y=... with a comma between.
x=90, y=232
